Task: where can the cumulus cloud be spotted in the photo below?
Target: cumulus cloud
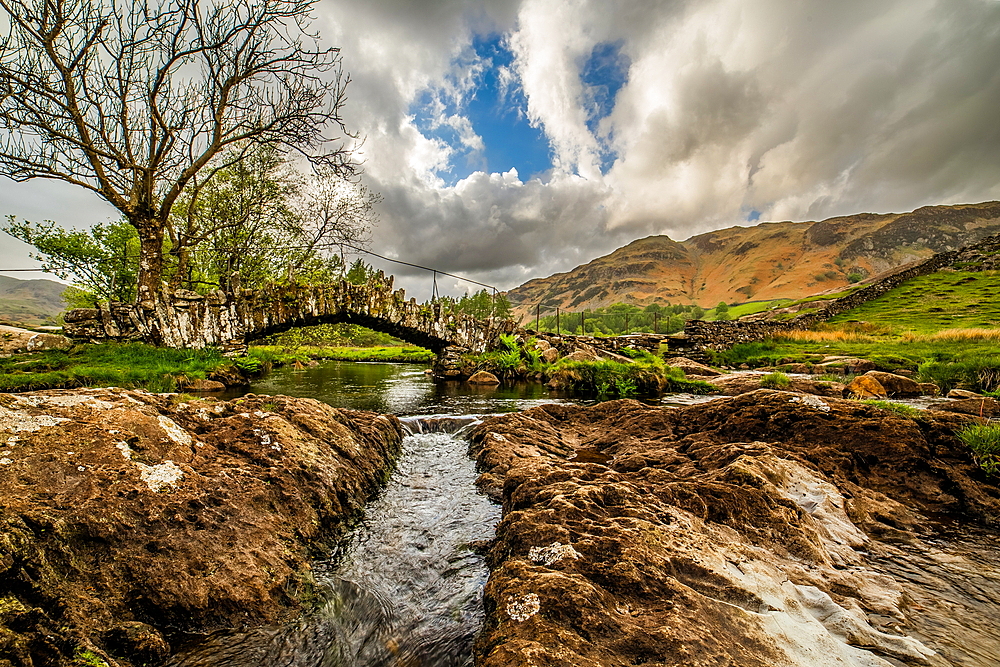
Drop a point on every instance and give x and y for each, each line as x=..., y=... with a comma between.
x=727, y=109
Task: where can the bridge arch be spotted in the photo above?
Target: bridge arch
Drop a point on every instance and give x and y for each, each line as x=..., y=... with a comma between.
x=404, y=333
x=184, y=319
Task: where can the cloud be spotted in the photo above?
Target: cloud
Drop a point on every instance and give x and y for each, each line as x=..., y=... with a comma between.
x=715, y=111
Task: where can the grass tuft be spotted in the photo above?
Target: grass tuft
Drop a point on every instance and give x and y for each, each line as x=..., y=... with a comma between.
x=775, y=381
x=907, y=411
x=983, y=439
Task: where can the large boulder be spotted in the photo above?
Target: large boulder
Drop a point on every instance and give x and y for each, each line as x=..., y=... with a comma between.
x=691, y=367
x=125, y=515
x=865, y=386
x=483, y=377
x=14, y=340
x=744, y=531
x=896, y=385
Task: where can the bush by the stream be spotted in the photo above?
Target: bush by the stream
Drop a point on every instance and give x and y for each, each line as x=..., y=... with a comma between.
x=647, y=374
x=981, y=374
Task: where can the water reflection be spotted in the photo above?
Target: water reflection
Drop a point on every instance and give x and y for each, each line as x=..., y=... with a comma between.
x=400, y=389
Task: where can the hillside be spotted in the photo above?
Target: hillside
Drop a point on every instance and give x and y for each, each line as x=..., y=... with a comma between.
x=30, y=302
x=768, y=261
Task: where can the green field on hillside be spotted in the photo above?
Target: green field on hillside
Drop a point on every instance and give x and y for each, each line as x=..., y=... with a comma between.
x=942, y=300
x=944, y=326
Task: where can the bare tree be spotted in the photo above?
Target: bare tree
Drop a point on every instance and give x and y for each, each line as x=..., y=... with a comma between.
x=133, y=100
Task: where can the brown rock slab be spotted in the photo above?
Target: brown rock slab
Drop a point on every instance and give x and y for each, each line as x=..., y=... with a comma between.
x=691, y=367
x=124, y=514
x=962, y=393
x=741, y=383
x=550, y=355
x=581, y=355
x=982, y=406
x=483, y=377
x=199, y=384
x=896, y=385
x=865, y=386
x=700, y=533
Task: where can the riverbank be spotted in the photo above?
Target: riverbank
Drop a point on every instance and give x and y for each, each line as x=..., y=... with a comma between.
x=129, y=517
x=750, y=531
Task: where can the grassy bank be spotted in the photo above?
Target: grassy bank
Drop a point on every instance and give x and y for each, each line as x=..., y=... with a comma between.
x=129, y=365
x=280, y=356
x=952, y=358
x=645, y=375
x=140, y=366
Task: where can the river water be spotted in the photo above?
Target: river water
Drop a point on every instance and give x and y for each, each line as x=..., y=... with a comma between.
x=404, y=589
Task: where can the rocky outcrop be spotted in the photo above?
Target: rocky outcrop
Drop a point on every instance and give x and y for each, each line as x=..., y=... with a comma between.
x=744, y=531
x=127, y=516
x=741, y=383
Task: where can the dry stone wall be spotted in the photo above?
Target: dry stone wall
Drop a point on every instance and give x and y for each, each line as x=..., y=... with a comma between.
x=186, y=319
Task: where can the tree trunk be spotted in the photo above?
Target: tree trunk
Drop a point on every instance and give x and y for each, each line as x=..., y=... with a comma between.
x=150, y=280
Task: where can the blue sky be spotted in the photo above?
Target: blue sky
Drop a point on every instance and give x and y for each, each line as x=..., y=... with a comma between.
x=497, y=109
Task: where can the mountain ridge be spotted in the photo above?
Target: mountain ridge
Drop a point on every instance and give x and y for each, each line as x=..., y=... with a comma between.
x=767, y=261
x=30, y=302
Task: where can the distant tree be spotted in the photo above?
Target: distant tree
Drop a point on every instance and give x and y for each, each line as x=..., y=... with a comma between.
x=134, y=100
x=258, y=220
x=102, y=262
x=697, y=313
x=360, y=272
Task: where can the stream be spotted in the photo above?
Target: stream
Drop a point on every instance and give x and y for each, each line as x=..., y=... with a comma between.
x=404, y=588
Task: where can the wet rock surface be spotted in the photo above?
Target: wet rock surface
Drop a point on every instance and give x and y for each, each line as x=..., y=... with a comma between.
x=754, y=530
x=127, y=518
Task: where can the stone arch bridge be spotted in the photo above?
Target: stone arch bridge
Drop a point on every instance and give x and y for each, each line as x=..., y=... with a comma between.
x=184, y=319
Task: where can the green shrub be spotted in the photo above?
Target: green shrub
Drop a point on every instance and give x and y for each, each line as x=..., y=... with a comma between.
x=900, y=409
x=891, y=362
x=983, y=438
x=775, y=381
x=249, y=364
